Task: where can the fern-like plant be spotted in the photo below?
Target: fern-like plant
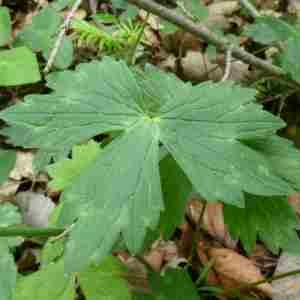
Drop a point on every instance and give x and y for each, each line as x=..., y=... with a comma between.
x=111, y=39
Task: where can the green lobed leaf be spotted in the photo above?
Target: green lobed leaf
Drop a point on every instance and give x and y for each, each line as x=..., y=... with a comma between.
x=289, y=58
x=209, y=138
x=40, y=35
x=105, y=281
x=174, y=284
x=85, y=103
x=273, y=220
x=196, y=8
x=7, y=162
x=119, y=4
x=62, y=4
x=130, y=206
x=65, y=171
x=283, y=156
x=269, y=29
x=8, y=271
x=176, y=188
x=49, y=283
x=205, y=136
x=9, y=215
x=5, y=26
x=18, y=66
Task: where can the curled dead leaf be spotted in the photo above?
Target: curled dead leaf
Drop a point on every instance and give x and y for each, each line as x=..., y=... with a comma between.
x=8, y=190
x=234, y=269
x=152, y=21
x=197, y=67
x=218, y=13
x=168, y=64
x=225, y=8
x=24, y=166
x=294, y=200
x=212, y=221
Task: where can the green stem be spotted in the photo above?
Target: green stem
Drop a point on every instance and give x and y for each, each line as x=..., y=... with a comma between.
x=30, y=231
x=247, y=286
x=138, y=40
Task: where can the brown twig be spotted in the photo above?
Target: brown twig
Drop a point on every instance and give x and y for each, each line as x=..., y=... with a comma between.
x=204, y=33
x=61, y=35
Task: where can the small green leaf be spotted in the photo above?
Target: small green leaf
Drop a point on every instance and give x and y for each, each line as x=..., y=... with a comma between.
x=196, y=8
x=41, y=34
x=9, y=215
x=18, y=66
x=66, y=171
x=38, y=35
x=49, y=283
x=61, y=4
x=269, y=29
x=105, y=281
x=175, y=284
x=290, y=58
x=8, y=273
x=105, y=18
x=5, y=26
x=7, y=162
x=130, y=13
x=64, y=57
x=119, y=4
x=176, y=188
x=272, y=219
x=283, y=156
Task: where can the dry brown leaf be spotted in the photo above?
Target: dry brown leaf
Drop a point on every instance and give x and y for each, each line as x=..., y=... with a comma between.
x=163, y=253
x=8, y=189
x=225, y=8
x=80, y=14
x=151, y=38
x=155, y=258
x=168, y=64
x=137, y=274
x=294, y=200
x=197, y=67
x=294, y=7
x=212, y=220
x=287, y=288
x=24, y=166
x=234, y=269
x=239, y=71
x=153, y=21
x=264, y=259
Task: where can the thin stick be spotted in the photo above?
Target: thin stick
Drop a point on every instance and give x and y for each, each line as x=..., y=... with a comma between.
x=228, y=64
x=250, y=8
x=204, y=33
x=61, y=35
